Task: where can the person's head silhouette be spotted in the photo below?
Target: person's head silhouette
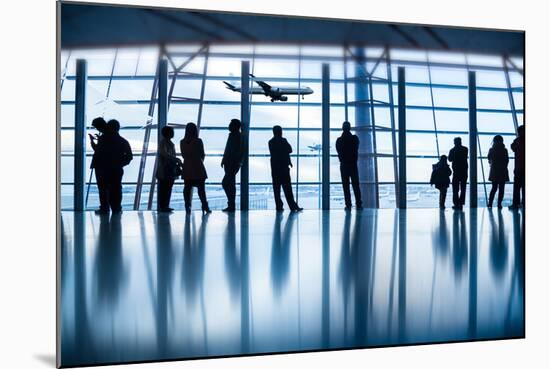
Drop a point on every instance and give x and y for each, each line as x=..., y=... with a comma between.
x=277, y=131
x=443, y=159
x=346, y=127
x=100, y=124
x=521, y=130
x=498, y=141
x=167, y=132
x=113, y=125
x=234, y=125
x=458, y=141
x=191, y=131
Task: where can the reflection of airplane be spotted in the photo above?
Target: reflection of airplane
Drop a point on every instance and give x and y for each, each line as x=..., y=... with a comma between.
x=276, y=93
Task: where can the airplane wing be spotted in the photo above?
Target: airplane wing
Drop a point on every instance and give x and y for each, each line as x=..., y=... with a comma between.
x=266, y=87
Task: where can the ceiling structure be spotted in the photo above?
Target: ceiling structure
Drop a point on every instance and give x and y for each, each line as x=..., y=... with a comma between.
x=90, y=25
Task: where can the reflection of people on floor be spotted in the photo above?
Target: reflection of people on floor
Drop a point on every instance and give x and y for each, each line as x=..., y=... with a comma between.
x=95, y=140
x=165, y=277
x=194, y=172
x=460, y=244
x=231, y=163
x=280, y=150
x=109, y=272
x=440, y=179
x=498, y=174
x=232, y=259
x=459, y=157
x=113, y=153
x=441, y=242
x=168, y=169
x=518, y=147
x=280, y=252
x=193, y=257
x=498, y=245
x=347, y=146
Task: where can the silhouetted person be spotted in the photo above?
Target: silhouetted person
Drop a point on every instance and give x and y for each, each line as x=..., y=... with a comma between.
x=231, y=163
x=168, y=169
x=459, y=157
x=194, y=172
x=440, y=179
x=518, y=147
x=280, y=150
x=347, y=146
x=95, y=141
x=113, y=154
x=498, y=174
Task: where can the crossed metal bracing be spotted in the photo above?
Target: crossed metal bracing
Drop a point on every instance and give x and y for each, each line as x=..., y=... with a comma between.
x=371, y=103
x=177, y=70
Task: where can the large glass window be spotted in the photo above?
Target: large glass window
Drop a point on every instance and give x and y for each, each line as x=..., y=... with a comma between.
x=121, y=83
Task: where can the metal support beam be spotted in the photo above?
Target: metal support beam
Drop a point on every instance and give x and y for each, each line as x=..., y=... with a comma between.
x=162, y=116
x=146, y=138
x=392, y=119
x=401, y=101
x=373, y=125
x=80, y=135
x=362, y=129
x=203, y=85
x=245, y=127
x=345, y=84
x=325, y=141
x=472, y=115
x=510, y=95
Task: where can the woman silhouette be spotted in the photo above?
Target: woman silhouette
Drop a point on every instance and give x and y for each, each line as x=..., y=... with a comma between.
x=194, y=172
x=167, y=168
x=498, y=174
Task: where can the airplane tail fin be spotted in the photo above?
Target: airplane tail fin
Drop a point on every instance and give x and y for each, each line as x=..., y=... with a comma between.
x=230, y=86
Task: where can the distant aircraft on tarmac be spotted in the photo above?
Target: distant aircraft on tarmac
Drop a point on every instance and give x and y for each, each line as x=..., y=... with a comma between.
x=275, y=93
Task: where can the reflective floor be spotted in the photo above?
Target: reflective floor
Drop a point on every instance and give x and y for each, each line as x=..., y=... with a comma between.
x=147, y=286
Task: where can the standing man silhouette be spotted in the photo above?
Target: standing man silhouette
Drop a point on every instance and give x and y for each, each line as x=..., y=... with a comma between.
x=231, y=163
x=518, y=147
x=114, y=153
x=280, y=150
x=347, y=146
x=459, y=157
x=95, y=142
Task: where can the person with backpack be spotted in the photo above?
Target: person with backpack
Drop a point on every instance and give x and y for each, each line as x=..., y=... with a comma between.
x=440, y=179
x=168, y=169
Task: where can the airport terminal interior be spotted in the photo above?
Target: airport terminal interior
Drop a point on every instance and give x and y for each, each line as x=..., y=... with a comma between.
x=144, y=285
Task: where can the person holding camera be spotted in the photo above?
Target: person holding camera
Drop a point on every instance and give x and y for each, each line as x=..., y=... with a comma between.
x=169, y=167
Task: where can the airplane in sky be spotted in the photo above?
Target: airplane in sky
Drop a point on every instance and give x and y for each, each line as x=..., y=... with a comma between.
x=275, y=93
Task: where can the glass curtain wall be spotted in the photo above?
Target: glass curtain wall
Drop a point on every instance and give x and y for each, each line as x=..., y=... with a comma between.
x=122, y=85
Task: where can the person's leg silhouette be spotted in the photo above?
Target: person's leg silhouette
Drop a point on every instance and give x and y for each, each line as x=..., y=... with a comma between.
x=229, y=186
x=463, y=191
x=456, y=188
x=344, y=173
x=277, y=194
x=442, y=197
x=201, y=189
x=102, y=189
x=494, y=187
x=289, y=196
x=356, y=188
x=115, y=189
x=500, y=194
x=187, y=187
